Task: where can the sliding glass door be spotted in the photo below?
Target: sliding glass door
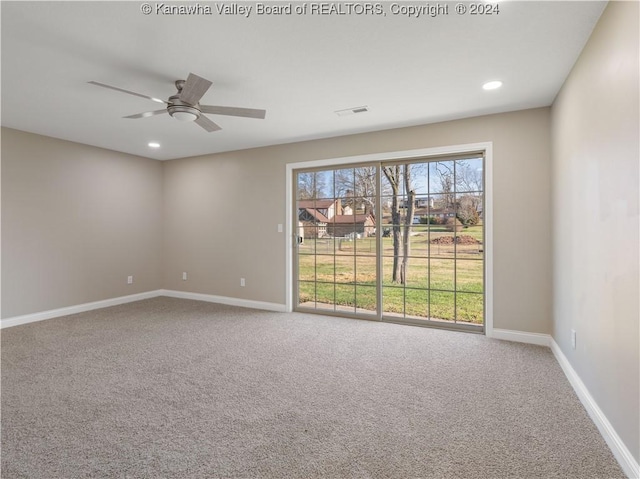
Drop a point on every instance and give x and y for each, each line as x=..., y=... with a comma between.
x=337, y=247
x=394, y=241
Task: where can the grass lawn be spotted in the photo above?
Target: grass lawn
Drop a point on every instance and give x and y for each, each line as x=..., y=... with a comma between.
x=343, y=272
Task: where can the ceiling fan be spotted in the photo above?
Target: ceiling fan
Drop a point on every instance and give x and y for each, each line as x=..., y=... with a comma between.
x=185, y=106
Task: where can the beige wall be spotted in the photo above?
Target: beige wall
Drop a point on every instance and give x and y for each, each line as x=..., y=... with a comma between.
x=76, y=221
x=221, y=212
x=595, y=130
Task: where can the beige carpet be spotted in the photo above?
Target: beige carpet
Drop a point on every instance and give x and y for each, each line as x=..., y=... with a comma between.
x=169, y=388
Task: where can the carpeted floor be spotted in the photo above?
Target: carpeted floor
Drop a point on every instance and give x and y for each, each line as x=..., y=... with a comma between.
x=170, y=388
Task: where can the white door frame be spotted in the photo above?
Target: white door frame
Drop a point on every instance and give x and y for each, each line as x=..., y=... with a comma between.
x=486, y=147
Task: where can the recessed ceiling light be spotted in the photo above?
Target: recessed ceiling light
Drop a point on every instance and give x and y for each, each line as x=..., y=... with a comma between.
x=492, y=85
x=153, y=144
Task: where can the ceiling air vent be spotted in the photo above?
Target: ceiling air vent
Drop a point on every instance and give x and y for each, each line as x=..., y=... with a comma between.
x=352, y=111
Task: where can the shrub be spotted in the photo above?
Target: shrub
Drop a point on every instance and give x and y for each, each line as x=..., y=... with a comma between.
x=469, y=218
x=428, y=220
x=454, y=224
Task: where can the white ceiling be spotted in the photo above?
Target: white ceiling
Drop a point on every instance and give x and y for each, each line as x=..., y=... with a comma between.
x=300, y=68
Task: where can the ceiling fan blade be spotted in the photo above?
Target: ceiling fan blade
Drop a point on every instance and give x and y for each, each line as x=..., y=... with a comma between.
x=233, y=111
x=127, y=91
x=207, y=124
x=146, y=114
x=193, y=89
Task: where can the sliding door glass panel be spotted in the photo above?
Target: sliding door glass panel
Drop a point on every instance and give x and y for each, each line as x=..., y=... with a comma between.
x=432, y=237
x=394, y=240
x=337, y=249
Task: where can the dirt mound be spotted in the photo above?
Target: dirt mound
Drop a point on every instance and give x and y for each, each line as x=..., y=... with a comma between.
x=462, y=239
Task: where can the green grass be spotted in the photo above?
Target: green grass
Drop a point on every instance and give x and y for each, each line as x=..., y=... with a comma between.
x=343, y=273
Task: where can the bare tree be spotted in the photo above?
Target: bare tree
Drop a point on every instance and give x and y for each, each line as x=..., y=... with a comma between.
x=445, y=180
x=408, y=221
x=469, y=181
x=358, y=186
x=311, y=185
x=395, y=175
x=345, y=187
x=468, y=178
x=366, y=186
x=461, y=188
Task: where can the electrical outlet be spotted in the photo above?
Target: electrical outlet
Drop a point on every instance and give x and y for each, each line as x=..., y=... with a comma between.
x=242, y=282
x=184, y=276
x=129, y=279
x=573, y=338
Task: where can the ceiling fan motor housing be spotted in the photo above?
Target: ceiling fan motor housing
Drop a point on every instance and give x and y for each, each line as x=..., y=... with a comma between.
x=182, y=111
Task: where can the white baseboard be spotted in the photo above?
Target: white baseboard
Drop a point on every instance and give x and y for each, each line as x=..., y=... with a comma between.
x=620, y=451
x=211, y=298
x=78, y=308
x=521, y=337
x=81, y=308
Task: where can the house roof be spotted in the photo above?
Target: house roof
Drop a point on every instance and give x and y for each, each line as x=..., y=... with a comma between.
x=316, y=214
x=315, y=203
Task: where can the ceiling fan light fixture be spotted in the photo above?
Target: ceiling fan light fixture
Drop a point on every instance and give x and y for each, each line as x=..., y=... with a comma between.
x=184, y=116
x=182, y=111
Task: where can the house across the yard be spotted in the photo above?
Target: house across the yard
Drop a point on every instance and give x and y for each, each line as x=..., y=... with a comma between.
x=314, y=223
x=350, y=225
x=322, y=218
